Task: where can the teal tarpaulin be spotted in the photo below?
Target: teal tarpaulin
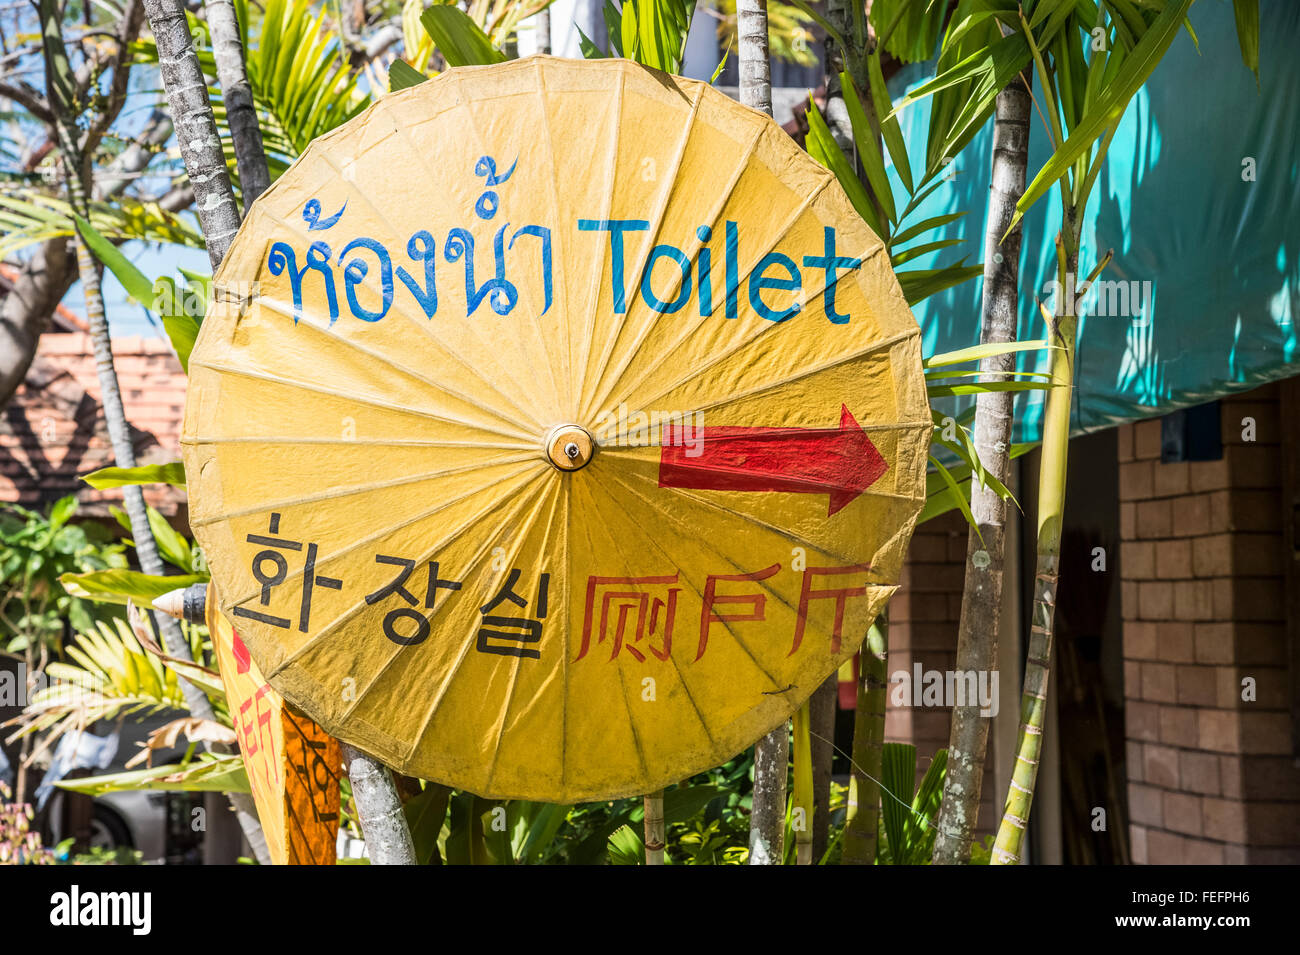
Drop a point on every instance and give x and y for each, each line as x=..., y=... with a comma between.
x=1199, y=200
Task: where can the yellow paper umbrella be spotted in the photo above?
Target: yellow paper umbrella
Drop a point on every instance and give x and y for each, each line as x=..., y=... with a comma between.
x=557, y=428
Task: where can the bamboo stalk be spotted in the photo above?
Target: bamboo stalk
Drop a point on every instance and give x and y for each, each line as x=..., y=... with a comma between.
x=861, y=826
x=654, y=828
x=823, y=706
x=804, y=810
x=981, y=605
x=1051, y=511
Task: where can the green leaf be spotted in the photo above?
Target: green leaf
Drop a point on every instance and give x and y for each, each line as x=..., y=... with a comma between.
x=889, y=128
x=823, y=148
x=461, y=40
x=207, y=773
x=182, y=327
x=139, y=288
x=722, y=64
x=119, y=586
x=172, y=546
x=962, y=500
x=172, y=473
x=681, y=804
x=980, y=352
x=589, y=49
x=425, y=815
x=1109, y=107
x=542, y=830
x=920, y=284
x=402, y=76
x=983, y=387
x=62, y=511
x=1246, y=13
x=873, y=161
x=925, y=225
x=902, y=256
x=626, y=847
x=897, y=777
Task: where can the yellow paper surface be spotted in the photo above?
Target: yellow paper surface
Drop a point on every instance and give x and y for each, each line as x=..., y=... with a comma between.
x=292, y=764
x=699, y=581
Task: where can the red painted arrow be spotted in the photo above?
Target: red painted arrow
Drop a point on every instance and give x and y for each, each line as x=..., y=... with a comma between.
x=841, y=462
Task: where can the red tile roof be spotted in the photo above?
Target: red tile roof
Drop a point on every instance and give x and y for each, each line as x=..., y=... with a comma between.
x=53, y=429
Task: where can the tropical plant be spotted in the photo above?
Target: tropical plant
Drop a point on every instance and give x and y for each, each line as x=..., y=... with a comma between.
x=1084, y=96
x=20, y=844
x=907, y=826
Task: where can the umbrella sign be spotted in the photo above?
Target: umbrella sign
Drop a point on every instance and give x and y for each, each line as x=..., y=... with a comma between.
x=557, y=428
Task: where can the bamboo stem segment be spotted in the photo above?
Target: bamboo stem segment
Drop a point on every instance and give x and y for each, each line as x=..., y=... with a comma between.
x=803, y=810
x=654, y=828
x=861, y=827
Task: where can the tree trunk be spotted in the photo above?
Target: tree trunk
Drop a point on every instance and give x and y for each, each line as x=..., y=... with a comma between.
x=862, y=824
x=767, y=816
x=772, y=752
x=76, y=165
x=754, y=67
x=196, y=129
x=654, y=828
x=1051, y=512
x=47, y=275
x=823, y=706
x=388, y=838
x=544, y=31
x=981, y=605
x=840, y=15
x=241, y=114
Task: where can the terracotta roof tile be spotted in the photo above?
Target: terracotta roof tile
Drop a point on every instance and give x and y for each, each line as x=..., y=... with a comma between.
x=53, y=429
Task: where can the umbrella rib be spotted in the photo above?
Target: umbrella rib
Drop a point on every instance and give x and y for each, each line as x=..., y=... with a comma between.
x=493, y=347
x=647, y=246
x=751, y=519
x=746, y=342
x=378, y=535
x=698, y=244
x=372, y=442
x=415, y=319
x=437, y=387
x=350, y=396
x=598, y=276
x=412, y=319
x=774, y=594
x=466, y=644
x=518, y=661
x=337, y=493
x=468, y=105
x=868, y=349
x=681, y=676
x=543, y=97
x=350, y=612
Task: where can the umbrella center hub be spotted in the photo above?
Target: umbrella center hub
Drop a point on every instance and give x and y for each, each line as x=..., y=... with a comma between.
x=569, y=447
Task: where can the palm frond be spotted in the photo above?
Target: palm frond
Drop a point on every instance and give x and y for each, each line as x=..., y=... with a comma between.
x=30, y=217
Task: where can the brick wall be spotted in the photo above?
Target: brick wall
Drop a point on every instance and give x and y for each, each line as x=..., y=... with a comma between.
x=923, y=619
x=1211, y=776
x=53, y=430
